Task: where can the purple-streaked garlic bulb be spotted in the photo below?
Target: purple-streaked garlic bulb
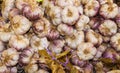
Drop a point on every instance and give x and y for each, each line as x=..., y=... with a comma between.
x=86, y=51
x=20, y=4
x=75, y=40
x=91, y=8
x=39, y=43
x=65, y=29
x=5, y=33
x=96, y=37
x=55, y=15
x=111, y=54
x=76, y=61
x=19, y=42
x=2, y=22
x=70, y=15
x=41, y=27
x=2, y=46
x=20, y=24
x=53, y=34
x=88, y=68
x=108, y=28
x=26, y=55
x=30, y=9
x=115, y=41
x=32, y=14
x=42, y=71
x=7, y=5
x=109, y=10
x=82, y=22
x=56, y=46
x=13, y=12
x=100, y=50
x=12, y=70
x=95, y=22
x=10, y=57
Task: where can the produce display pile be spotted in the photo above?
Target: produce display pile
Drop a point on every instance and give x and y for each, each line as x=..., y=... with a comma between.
x=60, y=36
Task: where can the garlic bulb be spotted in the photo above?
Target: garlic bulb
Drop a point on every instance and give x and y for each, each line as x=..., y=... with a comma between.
x=18, y=42
x=70, y=15
x=10, y=57
x=86, y=51
x=39, y=43
x=75, y=40
x=20, y=24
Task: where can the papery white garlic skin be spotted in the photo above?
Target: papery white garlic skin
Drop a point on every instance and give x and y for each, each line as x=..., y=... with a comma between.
x=7, y=5
x=39, y=43
x=80, y=9
x=82, y=22
x=108, y=28
x=96, y=37
x=65, y=29
x=70, y=15
x=86, y=51
x=109, y=10
x=19, y=42
x=3, y=68
x=55, y=14
x=10, y=56
x=20, y=24
x=75, y=40
x=115, y=41
x=5, y=32
x=63, y=3
x=91, y=8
